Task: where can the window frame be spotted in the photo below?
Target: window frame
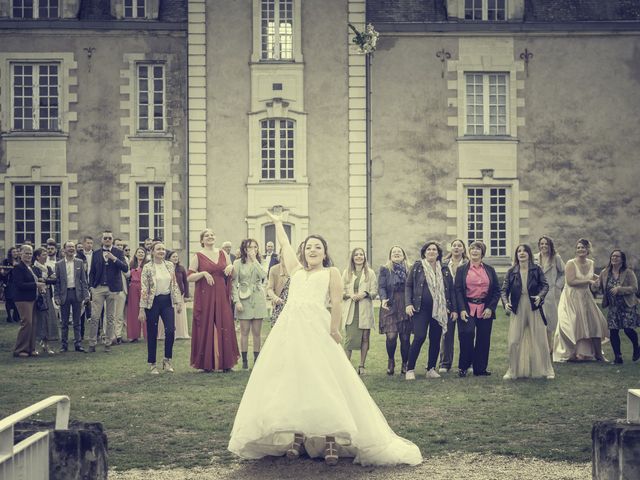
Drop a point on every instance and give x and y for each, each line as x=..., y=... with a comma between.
x=276, y=43
x=35, y=97
x=487, y=106
x=484, y=10
x=153, y=215
x=150, y=106
x=486, y=236
x=36, y=7
x=135, y=6
x=38, y=211
x=278, y=158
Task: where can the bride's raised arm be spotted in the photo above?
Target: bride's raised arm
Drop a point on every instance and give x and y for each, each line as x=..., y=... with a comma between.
x=289, y=256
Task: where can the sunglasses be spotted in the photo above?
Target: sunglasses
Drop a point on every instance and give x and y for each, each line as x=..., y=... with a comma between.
x=107, y=238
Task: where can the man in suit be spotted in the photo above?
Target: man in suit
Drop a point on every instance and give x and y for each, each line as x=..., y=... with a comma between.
x=71, y=291
x=226, y=246
x=86, y=254
x=105, y=282
x=270, y=258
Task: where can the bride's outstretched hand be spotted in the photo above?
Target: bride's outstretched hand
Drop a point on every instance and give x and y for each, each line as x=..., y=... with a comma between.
x=274, y=218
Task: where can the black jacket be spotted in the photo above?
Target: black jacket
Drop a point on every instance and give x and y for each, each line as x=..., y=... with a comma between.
x=493, y=295
x=512, y=286
x=415, y=284
x=23, y=284
x=114, y=269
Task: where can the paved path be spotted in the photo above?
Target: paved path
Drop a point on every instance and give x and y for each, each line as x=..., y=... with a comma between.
x=449, y=467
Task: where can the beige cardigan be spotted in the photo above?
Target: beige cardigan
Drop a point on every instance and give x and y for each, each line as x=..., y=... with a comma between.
x=628, y=285
x=365, y=310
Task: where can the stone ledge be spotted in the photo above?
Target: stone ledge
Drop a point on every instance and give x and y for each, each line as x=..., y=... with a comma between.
x=615, y=450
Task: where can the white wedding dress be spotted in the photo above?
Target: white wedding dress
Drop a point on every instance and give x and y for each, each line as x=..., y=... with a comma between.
x=303, y=382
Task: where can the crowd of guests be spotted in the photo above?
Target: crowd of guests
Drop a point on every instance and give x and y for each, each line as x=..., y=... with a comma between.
x=123, y=294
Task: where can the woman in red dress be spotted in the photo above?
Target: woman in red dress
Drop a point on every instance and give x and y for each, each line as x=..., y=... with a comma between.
x=134, y=326
x=213, y=334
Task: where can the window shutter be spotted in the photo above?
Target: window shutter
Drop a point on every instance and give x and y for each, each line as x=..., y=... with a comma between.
x=5, y=8
x=153, y=8
x=70, y=8
x=117, y=9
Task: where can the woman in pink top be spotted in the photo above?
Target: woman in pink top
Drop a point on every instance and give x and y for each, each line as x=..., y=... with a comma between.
x=478, y=291
x=134, y=327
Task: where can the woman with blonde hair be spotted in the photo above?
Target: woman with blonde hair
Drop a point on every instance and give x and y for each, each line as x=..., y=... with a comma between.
x=360, y=288
x=393, y=320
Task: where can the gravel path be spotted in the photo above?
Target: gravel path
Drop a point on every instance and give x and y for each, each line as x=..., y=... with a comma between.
x=449, y=467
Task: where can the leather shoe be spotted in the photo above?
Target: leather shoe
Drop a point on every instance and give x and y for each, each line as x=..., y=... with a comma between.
x=486, y=373
x=462, y=373
x=92, y=349
x=636, y=354
x=80, y=349
x=64, y=349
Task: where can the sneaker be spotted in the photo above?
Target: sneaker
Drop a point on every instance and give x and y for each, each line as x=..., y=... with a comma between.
x=166, y=365
x=154, y=370
x=92, y=349
x=443, y=370
x=462, y=373
x=507, y=376
x=410, y=375
x=431, y=373
x=107, y=348
x=551, y=376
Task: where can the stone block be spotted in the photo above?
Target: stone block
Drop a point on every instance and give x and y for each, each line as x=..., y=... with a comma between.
x=615, y=450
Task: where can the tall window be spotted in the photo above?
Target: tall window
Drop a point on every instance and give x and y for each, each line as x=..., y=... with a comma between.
x=277, y=29
x=277, y=149
x=486, y=103
x=35, y=96
x=35, y=9
x=270, y=234
x=485, y=10
x=37, y=210
x=488, y=218
x=134, y=9
x=151, y=97
x=150, y=212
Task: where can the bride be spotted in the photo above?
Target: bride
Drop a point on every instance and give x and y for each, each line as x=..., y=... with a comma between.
x=303, y=393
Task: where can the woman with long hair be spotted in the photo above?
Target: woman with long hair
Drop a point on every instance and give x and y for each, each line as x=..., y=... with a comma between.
x=303, y=394
x=46, y=319
x=619, y=285
x=135, y=327
x=581, y=325
x=393, y=321
x=553, y=268
x=249, y=297
x=523, y=293
x=456, y=257
x=360, y=288
x=13, y=258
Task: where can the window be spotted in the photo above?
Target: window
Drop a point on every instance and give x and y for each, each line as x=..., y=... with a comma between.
x=35, y=96
x=277, y=149
x=485, y=10
x=277, y=29
x=151, y=97
x=134, y=9
x=150, y=212
x=486, y=103
x=488, y=218
x=37, y=210
x=270, y=234
x=36, y=9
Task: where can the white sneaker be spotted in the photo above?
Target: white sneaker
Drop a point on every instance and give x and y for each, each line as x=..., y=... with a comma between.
x=507, y=376
x=410, y=375
x=432, y=373
x=443, y=370
x=470, y=371
x=551, y=377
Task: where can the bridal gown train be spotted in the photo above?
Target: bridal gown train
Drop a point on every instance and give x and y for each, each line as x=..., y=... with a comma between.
x=303, y=382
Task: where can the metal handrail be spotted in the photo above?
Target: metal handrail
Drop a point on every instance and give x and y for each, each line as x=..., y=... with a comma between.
x=7, y=424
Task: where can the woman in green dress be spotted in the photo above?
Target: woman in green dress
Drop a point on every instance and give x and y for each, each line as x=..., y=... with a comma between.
x=249, y=297
x=360, y=288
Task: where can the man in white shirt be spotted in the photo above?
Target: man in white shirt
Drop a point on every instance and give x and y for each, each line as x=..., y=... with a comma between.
x=71, y=291
x=120, y=300
x=86, y=254
x=270, y=258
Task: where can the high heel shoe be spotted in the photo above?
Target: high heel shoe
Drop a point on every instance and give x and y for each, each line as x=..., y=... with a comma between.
x=361, y=370
x=403, y=370
x=166, y=365
x=391, y=365
x=330, y=453
x=296, y=448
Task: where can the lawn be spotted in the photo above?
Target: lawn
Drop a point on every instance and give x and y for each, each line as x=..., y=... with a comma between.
x=184, y=419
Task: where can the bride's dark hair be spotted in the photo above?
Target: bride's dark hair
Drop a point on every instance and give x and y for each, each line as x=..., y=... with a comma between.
x=326, y=261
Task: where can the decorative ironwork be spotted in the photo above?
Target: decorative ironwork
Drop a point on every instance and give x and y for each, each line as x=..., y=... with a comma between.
x=443, y=55
x=89, y=51
x=526, y=56
x=367, y=40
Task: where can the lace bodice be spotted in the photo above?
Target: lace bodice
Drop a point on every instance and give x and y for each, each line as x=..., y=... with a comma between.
x=308, y=287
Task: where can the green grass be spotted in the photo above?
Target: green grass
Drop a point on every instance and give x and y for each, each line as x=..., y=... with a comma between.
x=185, y=419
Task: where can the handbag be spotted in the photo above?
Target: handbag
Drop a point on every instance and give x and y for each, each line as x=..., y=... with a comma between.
x=41, y=303
x=244, y=291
